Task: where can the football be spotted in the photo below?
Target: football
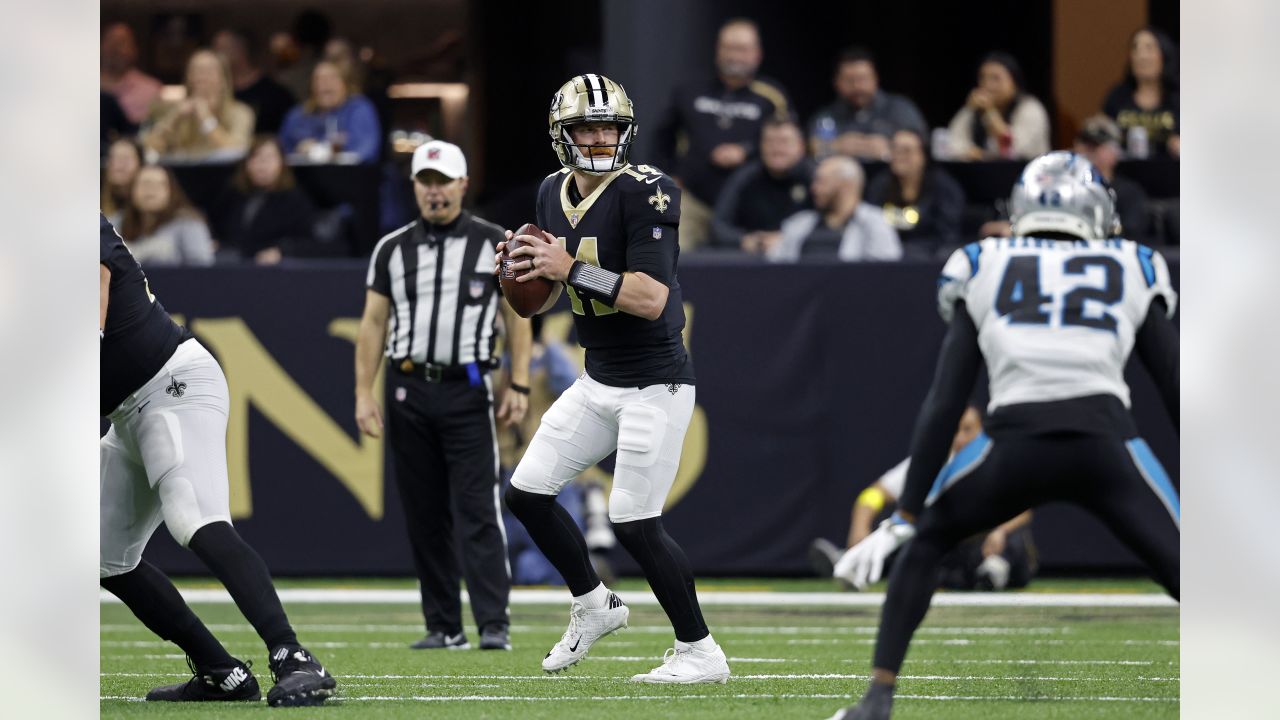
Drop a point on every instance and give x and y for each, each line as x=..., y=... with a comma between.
x=526, y=298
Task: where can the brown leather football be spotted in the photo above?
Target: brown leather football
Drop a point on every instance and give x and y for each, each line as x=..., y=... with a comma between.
x=526, y=298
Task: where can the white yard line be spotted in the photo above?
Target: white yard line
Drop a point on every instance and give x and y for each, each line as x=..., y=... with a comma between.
x=736, y=678
x=738, y=696
x=713, y=597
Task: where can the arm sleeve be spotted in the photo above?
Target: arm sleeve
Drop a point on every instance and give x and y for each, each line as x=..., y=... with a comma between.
x=364, y=137
x=960, y=133
x=958, y=364
x=291, y=130
x=1030, y=128
x=724, y=224
x=378, y=279
x=1157, y=346
x=652, y=241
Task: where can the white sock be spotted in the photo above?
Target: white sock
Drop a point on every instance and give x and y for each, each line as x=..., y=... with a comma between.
x=597, y=599
x=706, y=644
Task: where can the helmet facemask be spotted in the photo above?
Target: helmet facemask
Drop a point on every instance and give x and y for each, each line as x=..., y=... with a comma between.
x=585, y=157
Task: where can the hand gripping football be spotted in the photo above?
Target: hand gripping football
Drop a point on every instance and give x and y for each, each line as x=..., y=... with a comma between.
x=526, y=298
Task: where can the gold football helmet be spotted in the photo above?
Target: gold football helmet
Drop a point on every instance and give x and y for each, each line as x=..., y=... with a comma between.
x=586, y=99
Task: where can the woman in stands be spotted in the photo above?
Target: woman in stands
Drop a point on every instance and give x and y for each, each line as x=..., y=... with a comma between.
x=1000, y=120
x=1148, y=95
x=209, y=123
x=922, y=202
x=263, y=216
x=161, y=227
x=124, y=159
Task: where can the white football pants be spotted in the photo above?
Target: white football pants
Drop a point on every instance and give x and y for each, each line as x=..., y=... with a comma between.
x=164, y=459
x=590, y=420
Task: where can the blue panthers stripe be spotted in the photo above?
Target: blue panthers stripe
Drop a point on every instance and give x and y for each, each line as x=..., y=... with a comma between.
x=973, y=250
x=1153, y=472
x=1145, y=255
x=965, y=461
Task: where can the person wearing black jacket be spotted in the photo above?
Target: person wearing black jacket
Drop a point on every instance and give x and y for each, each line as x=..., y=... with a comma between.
x=263, y=216
x=922, y=202
x=1054, y=313
x=763, y=193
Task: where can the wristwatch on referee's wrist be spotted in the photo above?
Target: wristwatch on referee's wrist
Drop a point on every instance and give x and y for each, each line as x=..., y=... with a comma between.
x=522, y=389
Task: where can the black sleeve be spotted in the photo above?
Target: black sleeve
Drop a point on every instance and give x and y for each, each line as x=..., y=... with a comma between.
x=1157, y=346
x=959, y=362
x=651, y=218
x=725, y=231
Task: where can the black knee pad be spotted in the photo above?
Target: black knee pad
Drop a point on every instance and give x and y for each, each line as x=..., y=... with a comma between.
x=521, y=502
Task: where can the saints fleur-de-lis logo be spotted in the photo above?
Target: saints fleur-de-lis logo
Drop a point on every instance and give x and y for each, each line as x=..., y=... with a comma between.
x=659, y=200
x=176, y=388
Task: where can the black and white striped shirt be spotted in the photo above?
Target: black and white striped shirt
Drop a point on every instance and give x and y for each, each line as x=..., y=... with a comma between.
x=444, y=295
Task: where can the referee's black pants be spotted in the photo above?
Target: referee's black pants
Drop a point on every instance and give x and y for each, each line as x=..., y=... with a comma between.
x=444, y=454
x=1121, y=483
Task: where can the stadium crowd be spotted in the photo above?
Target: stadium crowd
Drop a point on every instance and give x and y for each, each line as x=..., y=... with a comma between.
x=759, y=180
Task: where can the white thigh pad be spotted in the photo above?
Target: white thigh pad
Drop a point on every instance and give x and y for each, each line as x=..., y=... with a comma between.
x=571, y=438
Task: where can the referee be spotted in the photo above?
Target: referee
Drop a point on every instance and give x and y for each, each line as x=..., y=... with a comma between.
x=431, y=287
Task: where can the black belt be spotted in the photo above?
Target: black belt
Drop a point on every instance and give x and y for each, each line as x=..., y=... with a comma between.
x=431, y=372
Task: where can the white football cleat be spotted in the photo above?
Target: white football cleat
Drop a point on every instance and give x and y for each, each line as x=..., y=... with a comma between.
x=688, y=666
x=585, y=628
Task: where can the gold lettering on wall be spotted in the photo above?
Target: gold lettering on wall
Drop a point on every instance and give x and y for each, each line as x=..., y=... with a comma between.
x=254, y=378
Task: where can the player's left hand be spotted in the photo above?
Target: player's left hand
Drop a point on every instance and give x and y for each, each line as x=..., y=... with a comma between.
x=863, y=563
x=545, y=258
x=513, y=408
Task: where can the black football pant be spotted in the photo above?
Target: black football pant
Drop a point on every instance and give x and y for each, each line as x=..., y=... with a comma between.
x=444, y=456
x=988, y=482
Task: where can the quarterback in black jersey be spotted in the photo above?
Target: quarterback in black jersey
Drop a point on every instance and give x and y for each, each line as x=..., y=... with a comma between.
x=164, y=460
x=610, y=237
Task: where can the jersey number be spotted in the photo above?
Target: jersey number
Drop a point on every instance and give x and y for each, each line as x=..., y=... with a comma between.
x=587, y=254
x=1021, y=299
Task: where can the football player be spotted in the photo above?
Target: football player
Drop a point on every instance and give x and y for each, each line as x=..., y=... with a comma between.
x=610, y=238
x=1054, y=311
x=164, y=459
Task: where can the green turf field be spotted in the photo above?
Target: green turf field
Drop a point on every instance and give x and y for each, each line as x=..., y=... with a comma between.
x=789, y=661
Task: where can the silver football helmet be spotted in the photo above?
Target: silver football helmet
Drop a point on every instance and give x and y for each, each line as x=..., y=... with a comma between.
x=591, y=98
x=1063, y=192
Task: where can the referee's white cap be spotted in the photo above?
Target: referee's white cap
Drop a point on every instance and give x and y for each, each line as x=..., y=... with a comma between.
x=440, y=156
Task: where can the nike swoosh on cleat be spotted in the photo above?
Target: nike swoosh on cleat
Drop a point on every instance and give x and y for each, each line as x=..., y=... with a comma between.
x=576, y=644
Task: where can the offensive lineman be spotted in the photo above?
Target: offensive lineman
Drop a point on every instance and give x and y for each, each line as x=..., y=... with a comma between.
x=1055, y=312
x=164, y=460
x=618, y=223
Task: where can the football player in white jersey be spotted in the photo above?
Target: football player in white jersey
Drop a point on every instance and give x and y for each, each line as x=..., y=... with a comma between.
x=1054, y=311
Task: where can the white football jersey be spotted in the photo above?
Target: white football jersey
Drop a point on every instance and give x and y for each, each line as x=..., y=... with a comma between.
x=1056, y=319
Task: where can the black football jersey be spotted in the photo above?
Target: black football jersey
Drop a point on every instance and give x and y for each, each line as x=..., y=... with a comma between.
x=140, y=337
x=628, y=224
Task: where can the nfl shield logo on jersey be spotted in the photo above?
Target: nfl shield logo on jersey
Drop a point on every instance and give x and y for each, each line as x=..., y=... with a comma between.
x=476, y=289
x=657, y=232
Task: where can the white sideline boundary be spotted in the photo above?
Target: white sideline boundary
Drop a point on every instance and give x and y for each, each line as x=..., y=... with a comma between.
x=302, y=596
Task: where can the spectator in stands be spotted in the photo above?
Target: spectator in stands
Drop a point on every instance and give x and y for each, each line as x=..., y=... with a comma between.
x=268, y=99
x=161, y=227
x=112, y=124
x=262, y=215
x=922, y=202
x=764, y=192
x=209, y=123
x=863, y=117
x=841, y=225
x=133, y=89
x=1000, y=120
x=124, y=159
x=718, y=125
x=333, y=119
x=1004, y=557
x=1148, y=96
x=1099, y=141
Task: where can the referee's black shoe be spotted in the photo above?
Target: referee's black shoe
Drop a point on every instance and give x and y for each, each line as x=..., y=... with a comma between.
x=438, y=640
x=495, y=637
x=300, y=679
x=230, y=683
